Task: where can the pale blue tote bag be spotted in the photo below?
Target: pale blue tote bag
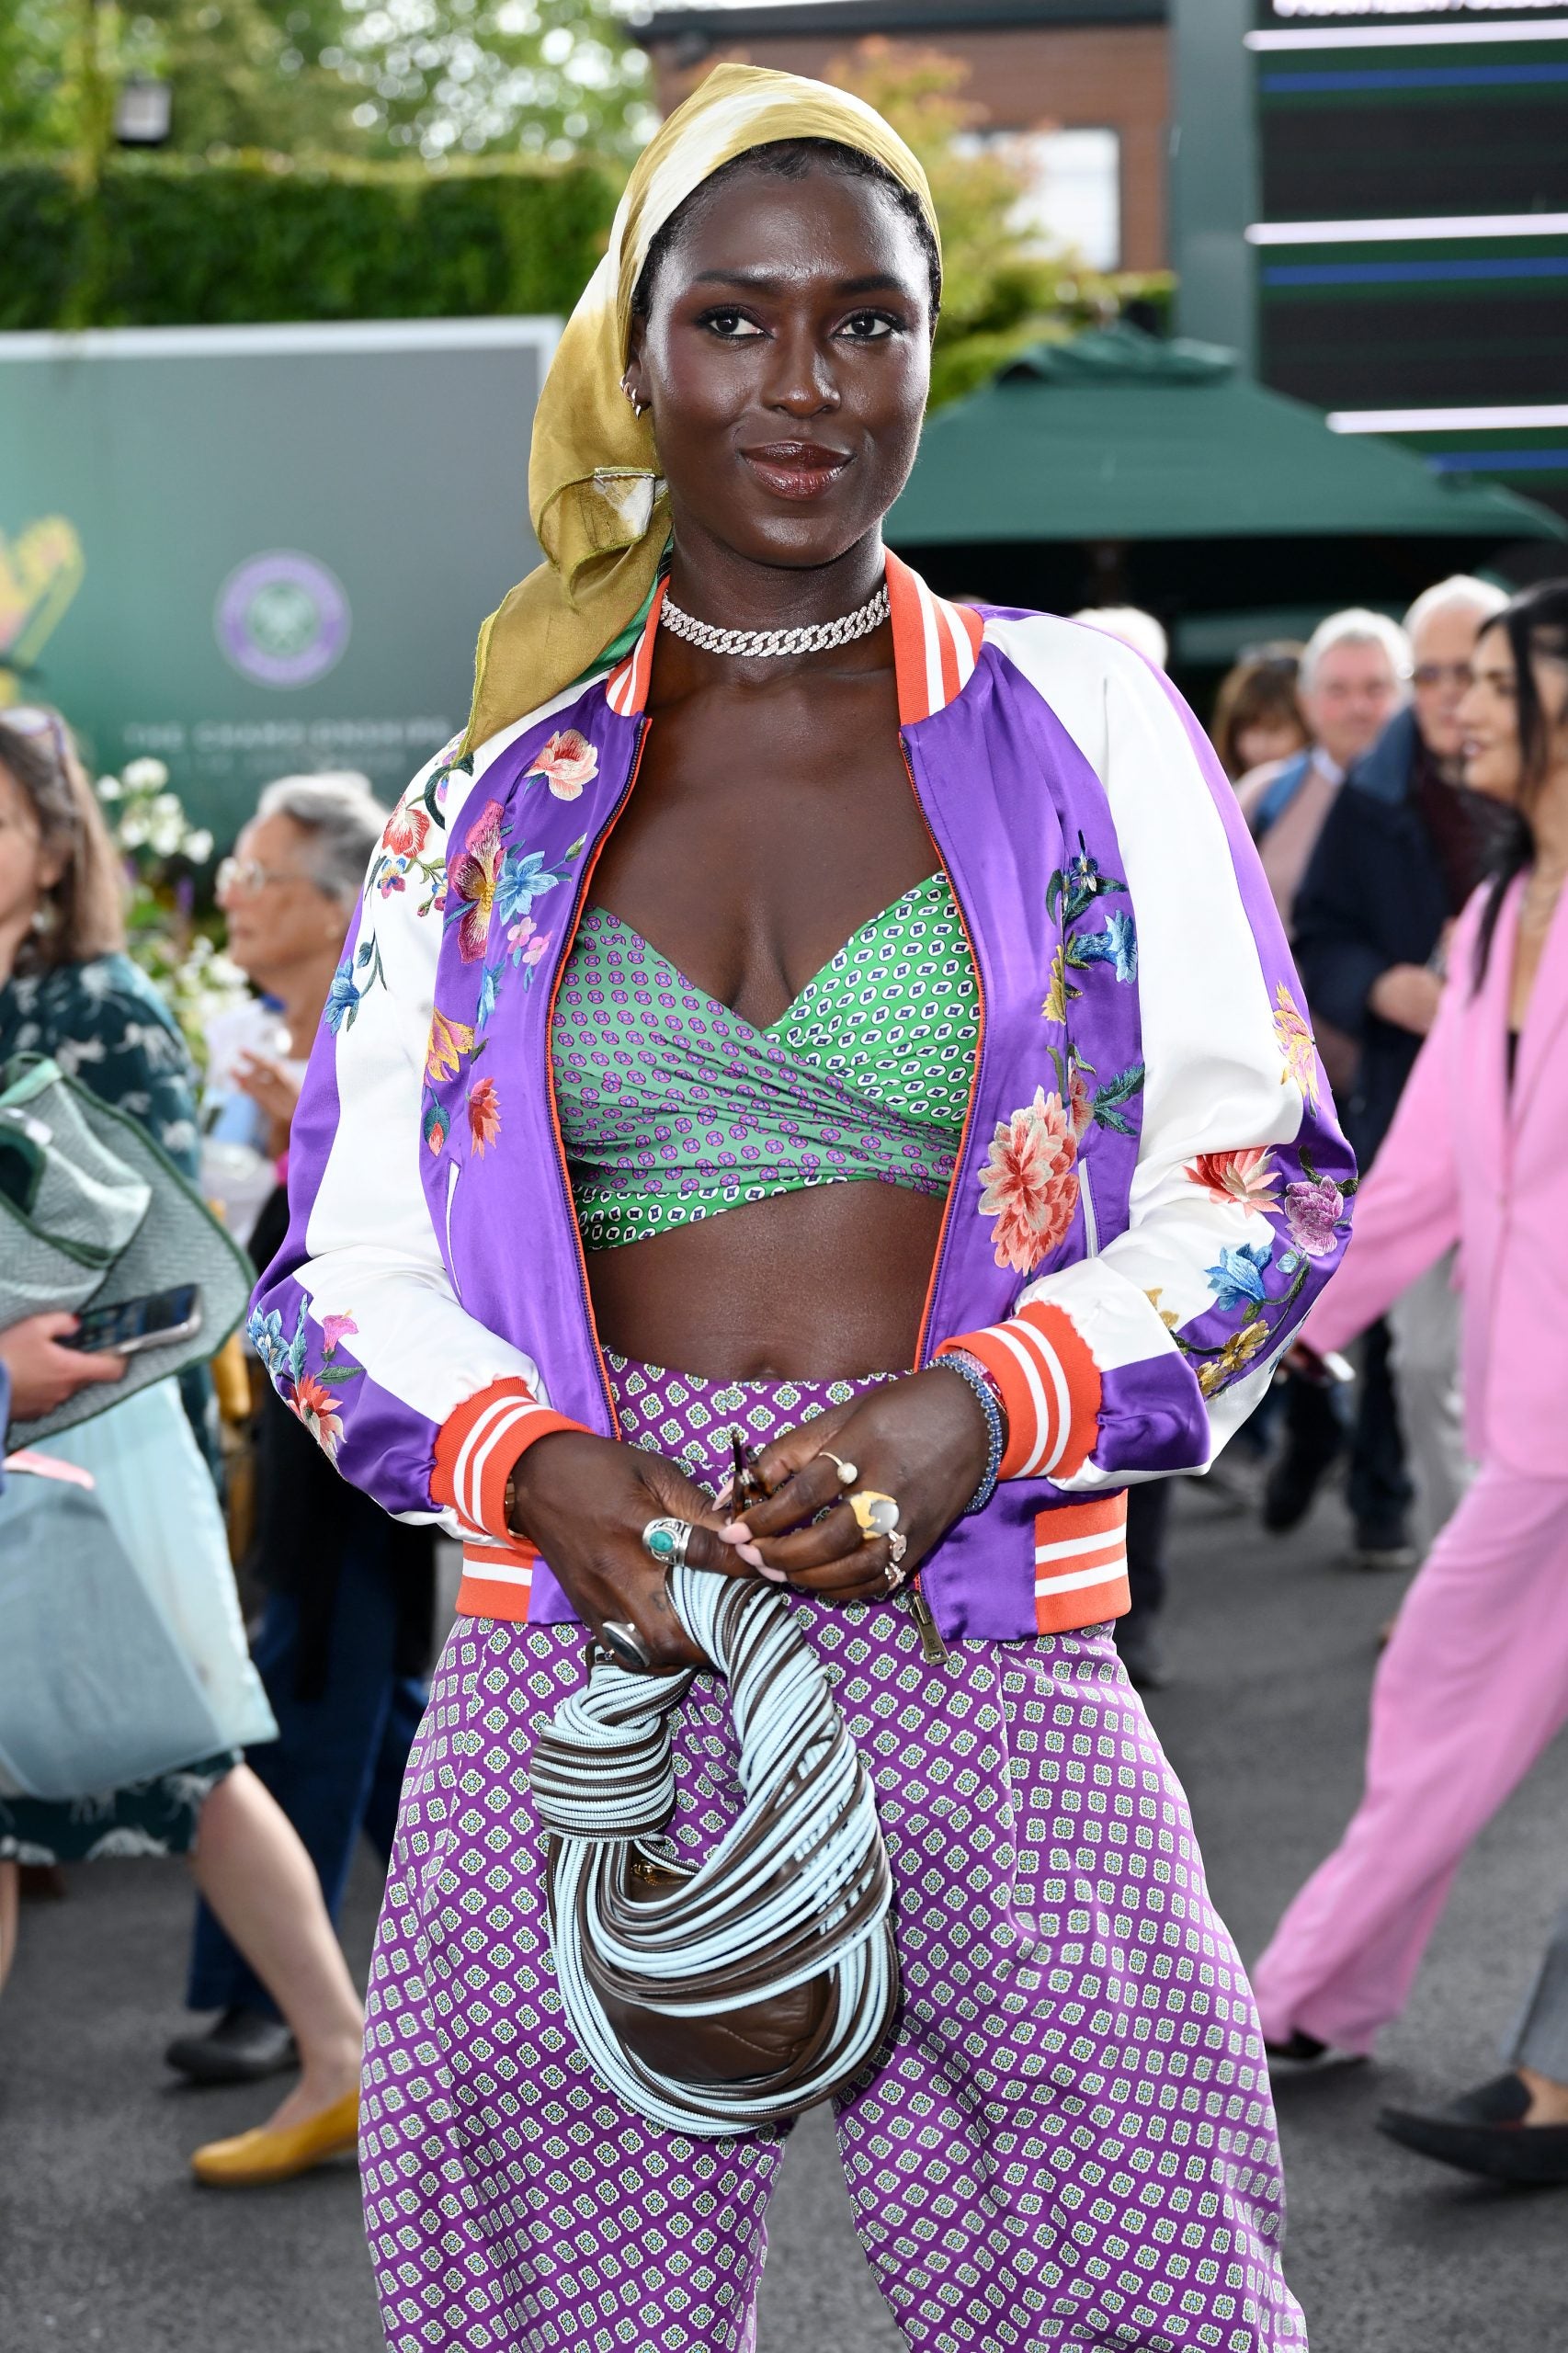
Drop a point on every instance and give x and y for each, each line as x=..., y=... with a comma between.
x=122, y=1652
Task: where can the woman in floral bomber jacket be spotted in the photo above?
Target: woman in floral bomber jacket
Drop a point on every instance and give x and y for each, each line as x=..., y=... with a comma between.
x=568, y=1207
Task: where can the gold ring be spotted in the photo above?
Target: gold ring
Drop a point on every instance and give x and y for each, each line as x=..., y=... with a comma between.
x=847, y=1472
x=876, y=1513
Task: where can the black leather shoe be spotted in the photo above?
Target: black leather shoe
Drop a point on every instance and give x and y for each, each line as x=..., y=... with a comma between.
x=1301, y=2051
x=1483, y=2132
x=240, y=2047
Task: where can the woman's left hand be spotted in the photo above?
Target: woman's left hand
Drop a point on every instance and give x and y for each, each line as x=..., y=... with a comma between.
x=921, y=1440
x=276, y=1088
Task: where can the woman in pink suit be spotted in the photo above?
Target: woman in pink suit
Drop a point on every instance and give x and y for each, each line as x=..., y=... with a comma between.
x=1474, y=1681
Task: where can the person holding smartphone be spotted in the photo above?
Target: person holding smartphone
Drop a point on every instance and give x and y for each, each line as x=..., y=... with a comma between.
x=68, y=991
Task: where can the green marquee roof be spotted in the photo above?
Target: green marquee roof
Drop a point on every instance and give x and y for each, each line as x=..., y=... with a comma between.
x=1119, y=435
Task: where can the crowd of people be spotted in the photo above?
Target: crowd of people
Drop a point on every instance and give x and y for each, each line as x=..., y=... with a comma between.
x=428, y=1228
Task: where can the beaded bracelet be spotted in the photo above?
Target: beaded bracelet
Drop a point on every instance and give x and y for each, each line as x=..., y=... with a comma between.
x=973, y=1374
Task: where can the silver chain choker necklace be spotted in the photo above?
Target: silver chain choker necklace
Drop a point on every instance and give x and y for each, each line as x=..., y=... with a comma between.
x=756, y=644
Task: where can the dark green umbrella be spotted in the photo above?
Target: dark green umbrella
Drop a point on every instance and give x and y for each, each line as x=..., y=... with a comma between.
x=1120, y=464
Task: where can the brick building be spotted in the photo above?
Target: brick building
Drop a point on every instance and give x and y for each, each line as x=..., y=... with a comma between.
x=1082, y=86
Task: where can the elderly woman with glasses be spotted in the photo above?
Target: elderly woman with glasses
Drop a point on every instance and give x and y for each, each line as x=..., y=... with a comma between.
x=68, y=990
x=344, y=1643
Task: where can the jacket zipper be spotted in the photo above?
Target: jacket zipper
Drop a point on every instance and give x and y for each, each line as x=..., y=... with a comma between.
x=1090, y=1222
x=566, y=948
x=932, y=1649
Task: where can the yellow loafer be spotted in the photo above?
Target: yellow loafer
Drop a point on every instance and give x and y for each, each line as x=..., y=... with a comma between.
x=253, y=2158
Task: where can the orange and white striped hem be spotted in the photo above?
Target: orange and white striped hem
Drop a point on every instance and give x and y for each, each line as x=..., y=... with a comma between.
x=498, y=1582
x=1080, y=1564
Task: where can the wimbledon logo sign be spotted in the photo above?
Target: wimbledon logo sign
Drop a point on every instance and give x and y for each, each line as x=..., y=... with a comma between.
x=283, y=618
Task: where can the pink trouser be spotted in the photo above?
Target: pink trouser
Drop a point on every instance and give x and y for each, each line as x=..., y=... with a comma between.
x=1472, y=1685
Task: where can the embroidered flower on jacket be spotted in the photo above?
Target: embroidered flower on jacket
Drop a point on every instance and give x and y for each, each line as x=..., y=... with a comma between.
x=1297, y=1045
x=1060, y=991
x=342, y=998
x=405, y=831
x=567, y=763
x=1237, y=1280
x=1233, y=1358
x=450, y=1041
x=334, y=1328
x=1029, y=1185
x=1081, y=1102
x=484, y=1115
x=1248, y=1176
x=1311, y=1212
x=1117, y=945
x=317, y=1408
x=471, y=875
x=436, y=1127
x=523, y=878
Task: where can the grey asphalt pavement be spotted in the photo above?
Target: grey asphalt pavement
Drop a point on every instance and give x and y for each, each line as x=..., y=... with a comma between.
x=104, y=2242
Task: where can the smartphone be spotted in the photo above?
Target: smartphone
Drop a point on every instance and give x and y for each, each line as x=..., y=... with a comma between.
x=1325, y=1367
x=133, y=1325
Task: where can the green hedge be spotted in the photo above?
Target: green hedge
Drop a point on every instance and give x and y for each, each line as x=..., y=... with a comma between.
x=177, y=242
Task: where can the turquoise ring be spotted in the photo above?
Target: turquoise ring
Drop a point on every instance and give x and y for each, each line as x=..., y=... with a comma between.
x=665, y=1541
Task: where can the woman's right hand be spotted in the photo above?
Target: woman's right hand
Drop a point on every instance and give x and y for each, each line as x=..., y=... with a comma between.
x=584, y=1502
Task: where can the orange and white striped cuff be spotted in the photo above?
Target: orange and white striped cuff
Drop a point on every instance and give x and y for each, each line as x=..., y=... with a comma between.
x=1050, y=1385
x=477, y=1446
x=1080, y=1564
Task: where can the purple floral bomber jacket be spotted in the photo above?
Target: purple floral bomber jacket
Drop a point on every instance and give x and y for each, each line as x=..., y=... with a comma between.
x=1150, y=1192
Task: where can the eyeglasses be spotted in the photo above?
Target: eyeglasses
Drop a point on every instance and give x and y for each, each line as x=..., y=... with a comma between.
x=1437, y=673
x=246, y=876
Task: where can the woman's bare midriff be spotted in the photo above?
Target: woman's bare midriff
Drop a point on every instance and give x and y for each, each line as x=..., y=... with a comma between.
x=820, y=1285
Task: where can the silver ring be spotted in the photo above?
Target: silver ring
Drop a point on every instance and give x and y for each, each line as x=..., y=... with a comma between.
x=898, y=1545
x=665, y=1541
x=847, y=1472
x=893, y=1577
x=621, y=1638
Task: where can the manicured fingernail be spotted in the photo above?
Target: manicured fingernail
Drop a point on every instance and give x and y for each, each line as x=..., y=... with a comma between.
x=737, y=1532
x=774, y=1577
x=751, y=1557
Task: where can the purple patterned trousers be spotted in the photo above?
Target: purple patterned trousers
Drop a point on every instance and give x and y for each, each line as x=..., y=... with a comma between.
x=1069, y=2140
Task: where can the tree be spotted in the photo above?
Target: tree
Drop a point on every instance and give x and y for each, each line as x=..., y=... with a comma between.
x=546, y=77
x=1002, y=290
x=348, y=77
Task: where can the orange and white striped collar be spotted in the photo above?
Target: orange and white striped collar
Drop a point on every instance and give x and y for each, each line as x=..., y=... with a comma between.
x=935, y=648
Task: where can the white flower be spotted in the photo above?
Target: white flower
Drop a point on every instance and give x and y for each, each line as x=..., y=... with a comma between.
x=109, y=787
x=144, y=776
x=198, y=845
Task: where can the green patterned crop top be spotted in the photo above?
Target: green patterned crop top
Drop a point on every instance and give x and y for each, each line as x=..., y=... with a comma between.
x=674, y=1109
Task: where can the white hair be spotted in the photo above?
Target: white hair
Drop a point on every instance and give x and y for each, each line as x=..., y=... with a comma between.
x=1481, y=597
x=342, y=818
x=1134, y=626
x=1356, y=625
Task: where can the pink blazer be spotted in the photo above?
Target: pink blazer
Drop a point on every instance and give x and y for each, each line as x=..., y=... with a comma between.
x=1469, y=1161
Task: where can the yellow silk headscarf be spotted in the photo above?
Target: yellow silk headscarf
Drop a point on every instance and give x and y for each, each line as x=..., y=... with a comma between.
x=595, y=494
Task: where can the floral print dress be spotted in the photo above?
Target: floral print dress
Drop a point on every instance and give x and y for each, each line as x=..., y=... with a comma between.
x=106, y=1026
